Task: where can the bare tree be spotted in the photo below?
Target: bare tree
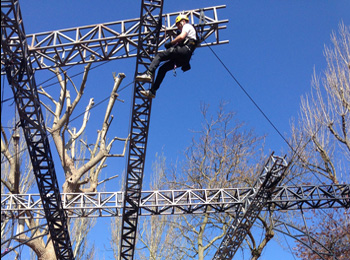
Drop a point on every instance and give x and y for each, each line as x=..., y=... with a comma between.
x=324, y=133
x=81, y=171
x=156, y=234
x=325, y=116
x=115, y=236
x=223, y=155
x=82, y=249
x=14, y=178
x=99, y=152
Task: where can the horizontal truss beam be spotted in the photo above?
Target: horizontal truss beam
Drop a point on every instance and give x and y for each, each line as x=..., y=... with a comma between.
x=114, y=40
x=167, y=202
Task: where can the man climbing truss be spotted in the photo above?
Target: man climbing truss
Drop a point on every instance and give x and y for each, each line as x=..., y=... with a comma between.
x=177, y=54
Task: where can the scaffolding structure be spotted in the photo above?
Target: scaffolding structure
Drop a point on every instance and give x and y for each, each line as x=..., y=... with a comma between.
x=141, y=38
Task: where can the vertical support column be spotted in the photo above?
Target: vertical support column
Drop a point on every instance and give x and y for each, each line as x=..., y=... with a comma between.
x=20, y=75
x=149, y=28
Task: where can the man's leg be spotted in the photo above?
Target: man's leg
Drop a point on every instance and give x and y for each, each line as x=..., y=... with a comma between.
x=151, y=93
x=169, y=65
x=162, y=56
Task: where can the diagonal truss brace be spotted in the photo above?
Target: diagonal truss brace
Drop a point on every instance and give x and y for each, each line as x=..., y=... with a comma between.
x=21, y=78
x=245, y=217
x=114, y=40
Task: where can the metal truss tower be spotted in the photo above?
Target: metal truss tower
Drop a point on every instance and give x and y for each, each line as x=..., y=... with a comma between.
x=20, y=75
x=150, y=23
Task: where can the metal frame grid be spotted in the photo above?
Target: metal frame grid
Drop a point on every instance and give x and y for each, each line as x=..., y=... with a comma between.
x=75, y=46
x=106, y=42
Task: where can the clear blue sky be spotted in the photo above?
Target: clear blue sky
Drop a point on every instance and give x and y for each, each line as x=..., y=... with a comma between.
x=274, y=48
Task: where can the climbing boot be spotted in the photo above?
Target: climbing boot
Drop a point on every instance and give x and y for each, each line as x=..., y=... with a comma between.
x=148, y=93
x=146, y=77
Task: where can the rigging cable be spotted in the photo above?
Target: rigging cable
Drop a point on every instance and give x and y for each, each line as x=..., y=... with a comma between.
x=2, y=92
x=247, y=94
x=295, y=151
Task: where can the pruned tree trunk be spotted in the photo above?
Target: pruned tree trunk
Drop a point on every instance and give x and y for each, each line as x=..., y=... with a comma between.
x=78, y=178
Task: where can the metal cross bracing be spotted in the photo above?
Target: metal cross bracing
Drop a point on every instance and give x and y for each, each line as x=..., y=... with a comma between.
x=114, y=40
x=148, y=40
x=20, y=74
x=170, y=202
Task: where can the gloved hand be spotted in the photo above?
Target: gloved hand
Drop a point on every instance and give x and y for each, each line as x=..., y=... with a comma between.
x=167, y=45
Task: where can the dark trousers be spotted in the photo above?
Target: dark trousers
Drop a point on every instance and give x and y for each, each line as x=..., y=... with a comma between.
x=178, y=55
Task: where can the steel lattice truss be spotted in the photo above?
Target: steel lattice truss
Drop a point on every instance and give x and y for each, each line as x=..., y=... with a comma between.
x=170, y=202
x=122, y=39
x=246, y=215
x=21, y=78
x=140, y=119
x=114, y=40
x=136, y=37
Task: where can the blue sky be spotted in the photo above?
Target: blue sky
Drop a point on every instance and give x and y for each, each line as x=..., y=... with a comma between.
x=274, y=48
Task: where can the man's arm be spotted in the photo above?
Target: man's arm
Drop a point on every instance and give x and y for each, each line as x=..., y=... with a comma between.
x=181, y=37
